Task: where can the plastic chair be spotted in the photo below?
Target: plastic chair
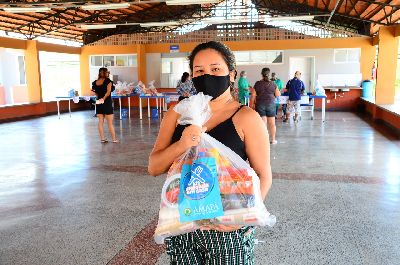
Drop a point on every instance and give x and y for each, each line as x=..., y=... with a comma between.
x=307, y=104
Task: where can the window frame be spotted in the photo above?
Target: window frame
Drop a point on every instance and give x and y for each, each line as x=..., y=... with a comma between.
x=347, y=55
x=127, y=55
x=19, y=70
x=252, y=62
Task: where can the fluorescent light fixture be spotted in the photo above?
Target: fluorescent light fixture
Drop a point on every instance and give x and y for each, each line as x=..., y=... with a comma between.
x=159, y=24
x=190, y=2
x=222, y=21
x=105, y=6
x=290, y=18
x=98, y=26
x=26, y=9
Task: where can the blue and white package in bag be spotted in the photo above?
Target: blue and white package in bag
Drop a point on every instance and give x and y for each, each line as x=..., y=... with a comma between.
x=199, y=196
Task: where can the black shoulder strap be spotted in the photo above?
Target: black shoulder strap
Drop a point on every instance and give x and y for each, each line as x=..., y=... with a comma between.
x=241, y=106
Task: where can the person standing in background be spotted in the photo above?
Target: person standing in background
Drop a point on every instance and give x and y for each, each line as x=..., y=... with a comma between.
x=104, y=108
x=279, y=84
x=295, y=88
x=244, y=87
x=264, y=93
x=185, y=87
x=234, y=90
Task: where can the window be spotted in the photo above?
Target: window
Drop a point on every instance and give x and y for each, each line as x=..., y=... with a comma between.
x=13, y=89
x=21, y=70
x=172, y=69
x=242, y=57
x=122, y=67
x=96, y=61
x=122, y=60
x=108, y=61
x=59, y=73
x=132, y=60
x=346, y=55
x=259, y=57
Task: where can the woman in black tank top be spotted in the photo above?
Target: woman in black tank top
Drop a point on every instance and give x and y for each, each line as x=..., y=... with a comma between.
x=240, y=128
x=104, y=111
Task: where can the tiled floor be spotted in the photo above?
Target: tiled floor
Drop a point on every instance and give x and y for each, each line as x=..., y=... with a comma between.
x=67, y=199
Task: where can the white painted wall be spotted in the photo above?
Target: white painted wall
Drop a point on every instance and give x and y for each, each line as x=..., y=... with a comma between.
x=179, y=64
x=9, y=72
x=153, y=68
x=324, y=64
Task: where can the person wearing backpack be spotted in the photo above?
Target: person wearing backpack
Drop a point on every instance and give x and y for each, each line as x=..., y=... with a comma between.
x=103, y=87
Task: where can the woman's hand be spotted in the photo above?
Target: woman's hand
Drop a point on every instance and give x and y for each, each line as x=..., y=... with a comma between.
x=191, y=136
x=221, y=228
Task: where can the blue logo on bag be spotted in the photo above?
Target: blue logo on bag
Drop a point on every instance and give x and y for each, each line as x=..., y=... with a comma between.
x=200, y=183
x=199, y=196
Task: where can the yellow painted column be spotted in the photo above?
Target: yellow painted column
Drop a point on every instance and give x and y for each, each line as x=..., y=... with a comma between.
x=141, y=63
x=85, y=75
x=387, y=65
x=367, y=61
x=32, y=71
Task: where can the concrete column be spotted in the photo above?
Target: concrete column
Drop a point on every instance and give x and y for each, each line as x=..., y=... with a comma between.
x=141, y=63
x=387, y=65
x=85, y=74
x=32, y=71
x=367, y=61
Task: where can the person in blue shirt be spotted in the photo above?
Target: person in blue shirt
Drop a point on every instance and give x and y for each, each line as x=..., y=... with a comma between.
x=295, y=88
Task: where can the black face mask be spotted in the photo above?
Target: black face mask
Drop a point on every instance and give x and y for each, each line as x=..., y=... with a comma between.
x=212, y=85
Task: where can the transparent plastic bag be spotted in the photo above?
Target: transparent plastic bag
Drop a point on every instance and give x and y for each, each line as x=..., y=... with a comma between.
x=319, y=90
x=239, y=199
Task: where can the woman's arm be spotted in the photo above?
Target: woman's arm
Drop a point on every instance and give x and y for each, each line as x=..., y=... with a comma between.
x=257, y=147
x=108, y=91
x=252, y=98
x=277, y=93
x=164, y=153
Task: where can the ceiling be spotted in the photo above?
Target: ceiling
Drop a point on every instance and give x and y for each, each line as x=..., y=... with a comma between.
x=63, y=21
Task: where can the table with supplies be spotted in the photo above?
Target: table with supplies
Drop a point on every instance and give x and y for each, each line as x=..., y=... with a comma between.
x=160, y=103
x=119, y=97
x=58, y=99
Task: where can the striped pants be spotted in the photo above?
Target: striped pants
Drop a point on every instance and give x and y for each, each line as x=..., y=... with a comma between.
x=211, y=247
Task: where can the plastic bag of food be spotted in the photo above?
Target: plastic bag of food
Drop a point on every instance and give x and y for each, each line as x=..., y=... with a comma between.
x=209, y=184
x=152, y=89
x=319, y=90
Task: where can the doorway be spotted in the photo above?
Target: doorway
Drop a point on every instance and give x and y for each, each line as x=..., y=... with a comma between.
x=306, y=66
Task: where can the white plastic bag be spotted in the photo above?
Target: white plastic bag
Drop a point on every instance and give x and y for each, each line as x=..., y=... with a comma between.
x=239, y=199
x=319, y=90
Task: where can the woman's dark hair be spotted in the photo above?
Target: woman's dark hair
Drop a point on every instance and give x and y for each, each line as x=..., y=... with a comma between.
x=102, y=69
x=184, y=77
x=226, y=53
x=265, y=73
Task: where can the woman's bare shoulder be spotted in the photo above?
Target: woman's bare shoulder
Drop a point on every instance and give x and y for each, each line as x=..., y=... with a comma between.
x=247, y=114
x=171, y=116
